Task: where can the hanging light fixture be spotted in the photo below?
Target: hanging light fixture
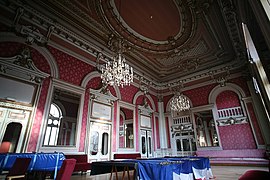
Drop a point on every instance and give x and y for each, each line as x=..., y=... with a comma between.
x=180, y=103
x=117, y=72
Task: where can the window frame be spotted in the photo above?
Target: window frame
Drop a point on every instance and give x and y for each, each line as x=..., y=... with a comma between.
x=58, y=84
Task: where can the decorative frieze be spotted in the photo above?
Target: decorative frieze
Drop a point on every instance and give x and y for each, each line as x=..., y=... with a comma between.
x=181, y=128
x=232, y=121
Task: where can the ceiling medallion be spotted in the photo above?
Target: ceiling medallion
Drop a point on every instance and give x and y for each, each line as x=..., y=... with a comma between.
x=129, y=29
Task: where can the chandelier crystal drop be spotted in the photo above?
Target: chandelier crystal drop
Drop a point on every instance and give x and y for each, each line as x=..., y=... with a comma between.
x=117, y=72
x=180, y=103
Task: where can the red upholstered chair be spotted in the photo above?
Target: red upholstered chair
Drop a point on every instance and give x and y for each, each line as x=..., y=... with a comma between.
x=81, y=162
x=66, y=169
x=19, y=169
x=256, y=174
x=4, y=147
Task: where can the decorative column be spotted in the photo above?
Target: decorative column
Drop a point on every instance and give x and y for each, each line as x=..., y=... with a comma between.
x=162, y=125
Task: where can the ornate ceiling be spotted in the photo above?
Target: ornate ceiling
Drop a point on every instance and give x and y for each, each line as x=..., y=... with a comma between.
x=165, y=41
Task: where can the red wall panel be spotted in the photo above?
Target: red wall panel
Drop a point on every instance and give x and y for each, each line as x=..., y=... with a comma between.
x=227, y=99
x=71, y=70
x=238, y=136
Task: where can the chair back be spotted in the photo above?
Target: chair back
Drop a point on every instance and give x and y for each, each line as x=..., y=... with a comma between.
x=19, y=167
x=66, y=169
x=4, y=147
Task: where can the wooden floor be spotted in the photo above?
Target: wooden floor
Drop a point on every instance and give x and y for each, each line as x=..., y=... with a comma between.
x=220, y=173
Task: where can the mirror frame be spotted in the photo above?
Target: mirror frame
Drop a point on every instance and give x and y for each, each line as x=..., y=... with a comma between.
x=209, y=107
x=57, y=84
x=126, y=105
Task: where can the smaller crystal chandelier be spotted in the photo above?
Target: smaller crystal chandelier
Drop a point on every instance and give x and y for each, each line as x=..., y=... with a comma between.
x=180, y=103
x=117, y=72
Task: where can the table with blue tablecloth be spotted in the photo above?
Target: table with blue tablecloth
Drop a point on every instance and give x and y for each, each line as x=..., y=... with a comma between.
x=184, y=168
x=40, y=162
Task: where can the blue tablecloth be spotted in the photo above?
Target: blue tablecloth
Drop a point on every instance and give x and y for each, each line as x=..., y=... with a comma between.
x=39, y=162
x=185, y=168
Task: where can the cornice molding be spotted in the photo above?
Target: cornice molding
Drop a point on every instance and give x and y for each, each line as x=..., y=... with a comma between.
x=70, y=35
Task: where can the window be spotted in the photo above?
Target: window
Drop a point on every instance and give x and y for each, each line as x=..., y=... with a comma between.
x=61, y=129
x=105, y=142
x=53, y=125
x=143, y=145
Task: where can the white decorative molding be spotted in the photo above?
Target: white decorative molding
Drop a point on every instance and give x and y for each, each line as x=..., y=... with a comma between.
x=146, y=121
x=21, y=66
x=145, y=110
x=229, y=87
x=15, y=106
x=71, y=35
x=181, y=120
x=101, y=111
x=181, y=128
x=10, y=37
x=230, y=112
x=202, y=108
x=232, y=121
x=102, y=95
x=67, y=86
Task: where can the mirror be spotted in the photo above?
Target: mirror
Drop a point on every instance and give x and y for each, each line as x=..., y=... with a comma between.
x=126, y=135
x=62, y=119
x=206, y=129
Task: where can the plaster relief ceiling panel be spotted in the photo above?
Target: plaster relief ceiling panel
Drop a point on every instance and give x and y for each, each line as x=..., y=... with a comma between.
x=163, y=39
x=169, y=38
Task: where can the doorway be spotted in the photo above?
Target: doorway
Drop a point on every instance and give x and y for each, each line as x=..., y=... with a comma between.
x=13, y=123
x=146, y=143
x=99, y=142
x=185, y=145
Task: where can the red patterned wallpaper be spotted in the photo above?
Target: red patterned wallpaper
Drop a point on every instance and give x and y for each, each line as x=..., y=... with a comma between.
x=10, y=49
x=112, y=90
x=227, y=99
x=256, y=127
x=128, y=93
x=199, y=96
x=238, y=136
x=84, y=118
x=242, y=82
x=95, y=83
x=166, y=100
x=127, y=112
x=38, y=116
x=71, y=69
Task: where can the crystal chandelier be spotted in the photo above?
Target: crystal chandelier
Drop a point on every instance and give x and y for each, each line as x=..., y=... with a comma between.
x=117, y=72
x=180, y=103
